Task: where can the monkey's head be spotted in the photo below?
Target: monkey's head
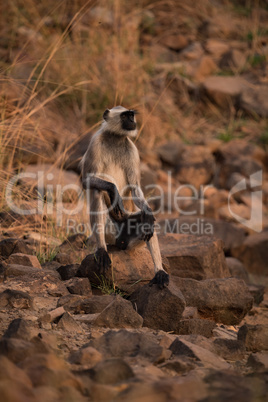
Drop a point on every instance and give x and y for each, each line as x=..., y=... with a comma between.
x=120, y=121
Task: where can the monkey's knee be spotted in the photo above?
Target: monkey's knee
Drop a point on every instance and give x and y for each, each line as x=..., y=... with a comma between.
x=161, y=279
x=103, y=260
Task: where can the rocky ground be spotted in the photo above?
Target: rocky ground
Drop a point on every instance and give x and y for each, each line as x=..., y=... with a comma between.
x=64, y=337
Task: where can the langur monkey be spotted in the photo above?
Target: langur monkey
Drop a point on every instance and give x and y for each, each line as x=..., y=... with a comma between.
x=111, y=171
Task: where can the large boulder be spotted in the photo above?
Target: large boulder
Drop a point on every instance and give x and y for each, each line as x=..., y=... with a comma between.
x=237, y=269
x=196, y=166
x=254, y=100
x=197, y=257
x=160, y=309
x=11, y=246
x=181, y=347
x=254, y=337
x=41, y=176
x=223, y=300
x=119, y=314
x=24, y=259
x=111, y=371
x=224, y=91
x=130, y=269
x=229, y=233
x=254, y=254
x=124, y=343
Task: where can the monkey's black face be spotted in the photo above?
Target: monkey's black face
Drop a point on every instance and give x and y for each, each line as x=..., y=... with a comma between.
x=128, y=120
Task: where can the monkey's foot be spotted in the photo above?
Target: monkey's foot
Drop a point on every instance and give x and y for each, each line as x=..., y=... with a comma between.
x=103, y=260
x=161, y=279
x=147, y=219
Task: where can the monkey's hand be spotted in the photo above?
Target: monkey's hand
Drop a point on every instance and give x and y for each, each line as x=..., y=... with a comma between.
x=117, y=205
x=161, y=279
x=147, y=220
x=103, y=260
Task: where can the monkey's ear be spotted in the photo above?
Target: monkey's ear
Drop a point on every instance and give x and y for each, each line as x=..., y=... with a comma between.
x=105, y=114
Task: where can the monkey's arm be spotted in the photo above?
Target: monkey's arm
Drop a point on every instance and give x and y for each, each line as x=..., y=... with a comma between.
x=147, y=216
x=116, y=204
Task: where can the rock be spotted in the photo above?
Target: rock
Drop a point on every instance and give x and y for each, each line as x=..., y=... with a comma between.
x=47, y=393
x=181, y=347
x=125, y=343
x=111, y=371
x=16, y=299
x=170, y=152
x=119, y=314
x=19, y=329
x=222, y=300
x=148, y=178
x=229, y=233
x=42, y=175
x=52, y=315
x=174, y=41
x=229, y=349
x=237, y=269
x=225, y=333
x=196, y=166
x=203, y=67
x=9, y=371
x=253, y=100
x=76, y=242
x=10, y=246
x=24, y=259
x=257, y=292
x=68, y=324
x=79, y=286
x=192, y=52
x=254, y=253
x=87, y=319
x=161, y=54
x=192, y=389
x=233, y=60
x=254, y=337
x=232, y=171
x=179, y=365
x=224, y=91
x=14, y=391
x=66, y=393
x=231, y=386
x=235, y=213
x=17, y=350
x=238, y=148
x=258, y=361
x=160, y=309
x=68, y=271
x=63, y=258
x=198, y=257
x=196, y=326
x=49, y=370
x=93, y=305
x=190, y=312
x=22, y=270
x=86, y=355
x=216, y=47
x=130, y=269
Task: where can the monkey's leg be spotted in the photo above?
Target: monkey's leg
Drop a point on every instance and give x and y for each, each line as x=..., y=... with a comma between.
x=161, y=278
x=131, y=234
x=98, y=221
x=115, y=201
